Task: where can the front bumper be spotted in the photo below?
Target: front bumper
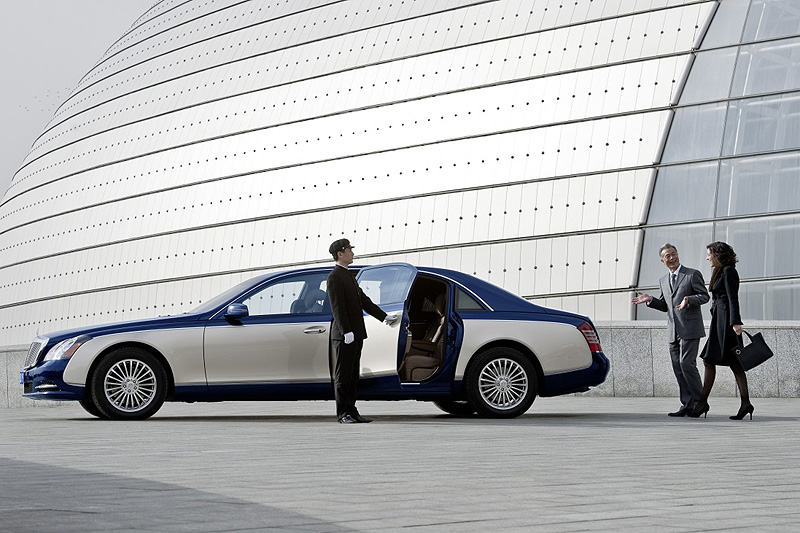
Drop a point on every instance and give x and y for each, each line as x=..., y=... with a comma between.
x=45, y=382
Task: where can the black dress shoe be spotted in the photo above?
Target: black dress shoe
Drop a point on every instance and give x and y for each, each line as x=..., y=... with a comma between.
x=347, y=419
x=362, y=420
x=683, y=411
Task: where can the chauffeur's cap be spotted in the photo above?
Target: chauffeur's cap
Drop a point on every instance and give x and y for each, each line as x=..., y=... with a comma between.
x=339, y=245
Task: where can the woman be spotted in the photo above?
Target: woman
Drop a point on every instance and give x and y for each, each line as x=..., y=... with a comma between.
x=726, y=328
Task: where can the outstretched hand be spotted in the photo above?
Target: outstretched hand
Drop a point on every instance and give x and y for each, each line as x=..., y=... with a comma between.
x=684, y=304
x=390, y=319
x=642, y=298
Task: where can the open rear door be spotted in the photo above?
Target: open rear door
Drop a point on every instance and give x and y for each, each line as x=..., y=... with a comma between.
x=388, y=286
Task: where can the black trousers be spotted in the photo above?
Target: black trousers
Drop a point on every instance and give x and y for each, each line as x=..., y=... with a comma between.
x=346, y=367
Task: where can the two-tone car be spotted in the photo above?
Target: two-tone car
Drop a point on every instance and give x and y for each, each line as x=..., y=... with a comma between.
x=460, y=342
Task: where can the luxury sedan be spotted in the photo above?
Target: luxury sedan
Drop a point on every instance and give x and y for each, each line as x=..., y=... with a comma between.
x=464, y=344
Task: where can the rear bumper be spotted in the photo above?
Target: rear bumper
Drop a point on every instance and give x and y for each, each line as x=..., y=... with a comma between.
x=578, y=380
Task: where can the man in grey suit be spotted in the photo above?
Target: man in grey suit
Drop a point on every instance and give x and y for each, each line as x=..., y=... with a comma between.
x=683, y=291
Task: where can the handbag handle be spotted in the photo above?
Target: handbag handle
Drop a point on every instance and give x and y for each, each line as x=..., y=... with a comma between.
x=740, y=343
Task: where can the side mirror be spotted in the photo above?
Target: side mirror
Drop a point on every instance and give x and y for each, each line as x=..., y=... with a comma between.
x=236, y=311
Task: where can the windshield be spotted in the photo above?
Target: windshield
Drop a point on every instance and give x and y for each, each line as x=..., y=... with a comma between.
x=225, y=297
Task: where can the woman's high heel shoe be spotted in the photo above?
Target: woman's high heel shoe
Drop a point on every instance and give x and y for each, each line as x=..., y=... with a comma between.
x=700, y=409
x=742, y=412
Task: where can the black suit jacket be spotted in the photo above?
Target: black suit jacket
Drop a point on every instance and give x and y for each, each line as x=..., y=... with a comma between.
x=348, y=303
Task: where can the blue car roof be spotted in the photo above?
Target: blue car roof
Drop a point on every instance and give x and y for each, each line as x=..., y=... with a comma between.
x=497, y=298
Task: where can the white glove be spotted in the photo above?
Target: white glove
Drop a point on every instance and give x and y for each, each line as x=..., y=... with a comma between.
x=349, y=337
x=390, y=319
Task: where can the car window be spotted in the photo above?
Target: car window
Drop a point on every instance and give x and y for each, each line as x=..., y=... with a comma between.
x=387, y=284
x=301, y=294
x=465, y=302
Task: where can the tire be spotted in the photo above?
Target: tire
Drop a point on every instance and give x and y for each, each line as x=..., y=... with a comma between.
x=90, y=407
x=129, y=384
x=455, y=407
x=501, y=383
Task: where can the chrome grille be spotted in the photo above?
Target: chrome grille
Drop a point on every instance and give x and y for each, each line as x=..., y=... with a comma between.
x=33, y=354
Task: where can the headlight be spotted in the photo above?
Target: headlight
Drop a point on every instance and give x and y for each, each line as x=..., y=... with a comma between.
x=65, y=349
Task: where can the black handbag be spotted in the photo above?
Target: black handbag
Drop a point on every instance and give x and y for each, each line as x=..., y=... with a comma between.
x=753, y=354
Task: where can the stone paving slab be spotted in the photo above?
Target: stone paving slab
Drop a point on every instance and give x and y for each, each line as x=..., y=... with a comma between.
x=577, y=463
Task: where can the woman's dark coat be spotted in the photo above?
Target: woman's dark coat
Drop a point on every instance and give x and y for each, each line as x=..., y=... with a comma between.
x=724, y=315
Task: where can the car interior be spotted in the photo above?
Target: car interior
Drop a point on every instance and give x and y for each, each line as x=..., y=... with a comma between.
x=427, y=313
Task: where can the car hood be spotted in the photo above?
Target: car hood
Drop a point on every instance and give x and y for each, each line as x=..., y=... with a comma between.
x=130, y=325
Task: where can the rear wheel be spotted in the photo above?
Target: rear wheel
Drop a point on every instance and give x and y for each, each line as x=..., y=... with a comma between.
x=501, y=383
x=455, y=407
x=129, y=384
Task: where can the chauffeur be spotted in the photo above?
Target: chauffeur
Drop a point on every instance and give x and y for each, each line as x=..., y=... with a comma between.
x=348, y=303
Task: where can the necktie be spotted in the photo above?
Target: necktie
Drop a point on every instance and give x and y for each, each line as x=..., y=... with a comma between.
x=673, y=279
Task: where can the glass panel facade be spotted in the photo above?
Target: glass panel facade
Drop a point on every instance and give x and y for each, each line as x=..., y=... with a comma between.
x=762, y=125
x=726, y=28
x=771, y=19
x=509, y=141
x=759, y=185
x=696, y=133
x=767, y=67
x=684, y=193
x=770, y=300
x=767, y=247
x=708, y=77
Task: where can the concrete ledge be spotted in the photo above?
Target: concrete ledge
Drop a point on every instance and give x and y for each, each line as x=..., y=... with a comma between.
x=11, y=360
x=640, y=364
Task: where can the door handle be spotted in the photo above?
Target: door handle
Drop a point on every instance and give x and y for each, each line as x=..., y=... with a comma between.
x=315, y=329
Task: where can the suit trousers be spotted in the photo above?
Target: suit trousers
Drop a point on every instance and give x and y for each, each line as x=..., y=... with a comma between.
x=346, y=369
x=684, y=363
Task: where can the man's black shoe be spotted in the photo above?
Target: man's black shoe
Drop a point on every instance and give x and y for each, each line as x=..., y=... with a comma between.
x=683, y=411
x=362, y=420
x=347, y=419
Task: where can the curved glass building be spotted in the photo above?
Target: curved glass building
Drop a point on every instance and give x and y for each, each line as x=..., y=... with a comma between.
x=550, y=147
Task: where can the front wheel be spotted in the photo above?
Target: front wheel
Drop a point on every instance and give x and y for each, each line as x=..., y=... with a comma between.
x=129, y=384
x=90, y=407
x=501, y=383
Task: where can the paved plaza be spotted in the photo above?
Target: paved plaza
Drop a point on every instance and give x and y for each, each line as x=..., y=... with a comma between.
x=578, y=463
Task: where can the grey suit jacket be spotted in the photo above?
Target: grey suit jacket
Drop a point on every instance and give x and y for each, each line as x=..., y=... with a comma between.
x=687, y=323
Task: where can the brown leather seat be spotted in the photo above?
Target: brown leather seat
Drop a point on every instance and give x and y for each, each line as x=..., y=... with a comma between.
x=424, y=355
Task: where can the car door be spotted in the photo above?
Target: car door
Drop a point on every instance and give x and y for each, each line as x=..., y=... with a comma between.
x=284, y=338
x=387, y=286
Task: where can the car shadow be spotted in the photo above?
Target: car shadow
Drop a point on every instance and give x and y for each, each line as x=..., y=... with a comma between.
x=553, y=418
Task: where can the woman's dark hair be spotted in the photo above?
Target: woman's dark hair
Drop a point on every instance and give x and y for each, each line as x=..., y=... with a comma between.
x=725, y=256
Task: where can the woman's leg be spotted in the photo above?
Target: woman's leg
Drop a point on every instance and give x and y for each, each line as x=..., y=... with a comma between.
x=741, y=382
x=708, y=381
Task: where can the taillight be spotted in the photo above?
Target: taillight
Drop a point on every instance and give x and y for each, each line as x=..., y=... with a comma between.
x=591, y=337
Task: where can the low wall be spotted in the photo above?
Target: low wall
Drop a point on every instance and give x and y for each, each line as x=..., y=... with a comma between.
x=640, y=364
x=11, y=361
